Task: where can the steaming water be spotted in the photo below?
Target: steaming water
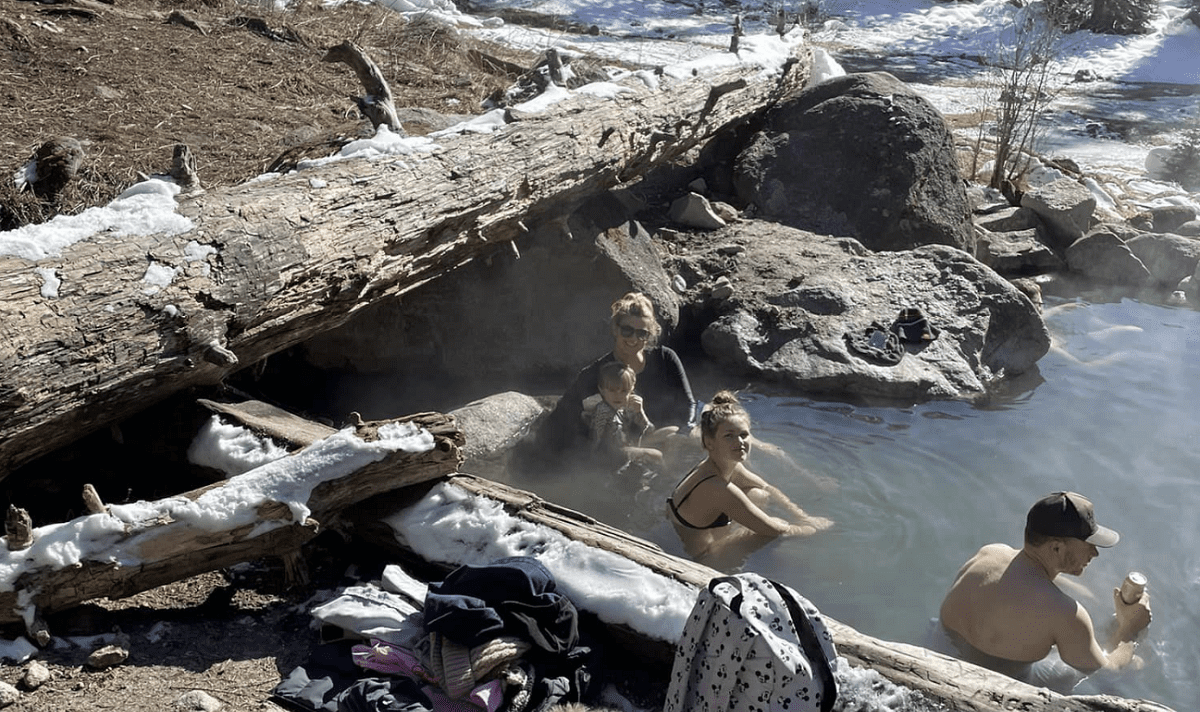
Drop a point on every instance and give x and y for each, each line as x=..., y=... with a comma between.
x=1112, y=414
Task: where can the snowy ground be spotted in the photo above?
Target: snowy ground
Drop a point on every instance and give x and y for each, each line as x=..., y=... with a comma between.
x=1146, y=91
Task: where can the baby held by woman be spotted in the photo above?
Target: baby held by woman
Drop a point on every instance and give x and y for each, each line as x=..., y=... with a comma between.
x=619, y=426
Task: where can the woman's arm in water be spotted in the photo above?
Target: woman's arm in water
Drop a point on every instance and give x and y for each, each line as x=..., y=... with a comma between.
x=762, y=493
x=825, y=484
x=739, y=506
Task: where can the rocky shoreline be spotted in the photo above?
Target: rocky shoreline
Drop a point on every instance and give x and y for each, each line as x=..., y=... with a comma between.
x=746, y=270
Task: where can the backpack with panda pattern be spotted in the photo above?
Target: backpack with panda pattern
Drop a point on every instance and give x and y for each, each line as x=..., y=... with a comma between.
x=752, y=645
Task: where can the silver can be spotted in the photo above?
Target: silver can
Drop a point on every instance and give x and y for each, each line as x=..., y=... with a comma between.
x=1132, y=587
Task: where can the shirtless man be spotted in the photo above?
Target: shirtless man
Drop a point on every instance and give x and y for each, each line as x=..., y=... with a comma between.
x=1005, y=612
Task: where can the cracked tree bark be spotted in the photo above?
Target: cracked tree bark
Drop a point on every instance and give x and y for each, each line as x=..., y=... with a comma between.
x=269, y=264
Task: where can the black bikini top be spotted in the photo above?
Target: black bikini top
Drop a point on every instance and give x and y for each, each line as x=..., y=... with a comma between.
x=721, y=521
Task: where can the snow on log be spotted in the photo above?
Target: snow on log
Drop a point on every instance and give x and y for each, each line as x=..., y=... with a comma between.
x=269, y=511
x=112, y=323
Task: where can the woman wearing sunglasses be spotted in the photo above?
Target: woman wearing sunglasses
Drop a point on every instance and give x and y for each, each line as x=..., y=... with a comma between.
x=661, y=380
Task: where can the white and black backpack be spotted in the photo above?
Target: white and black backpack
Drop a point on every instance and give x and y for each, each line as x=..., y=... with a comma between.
x=752, y=645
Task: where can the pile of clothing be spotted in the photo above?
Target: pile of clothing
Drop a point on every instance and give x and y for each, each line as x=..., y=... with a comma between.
x=497, y=637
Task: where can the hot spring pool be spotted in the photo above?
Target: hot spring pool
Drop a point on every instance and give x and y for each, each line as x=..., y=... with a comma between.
x=1111, y=414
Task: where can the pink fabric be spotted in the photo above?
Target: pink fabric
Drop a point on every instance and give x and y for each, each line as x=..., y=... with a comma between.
x=389, y=659
x=386, y=658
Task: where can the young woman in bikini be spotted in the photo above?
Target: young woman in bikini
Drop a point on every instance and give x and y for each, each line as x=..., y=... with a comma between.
x=721, y=491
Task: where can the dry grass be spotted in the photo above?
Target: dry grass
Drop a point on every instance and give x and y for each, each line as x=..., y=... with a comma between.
x=131, y=84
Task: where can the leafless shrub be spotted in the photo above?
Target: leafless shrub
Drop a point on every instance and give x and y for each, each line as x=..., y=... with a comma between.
x=809, y=13
x=1019, y=89
x=789, y=14
x=1194, y=12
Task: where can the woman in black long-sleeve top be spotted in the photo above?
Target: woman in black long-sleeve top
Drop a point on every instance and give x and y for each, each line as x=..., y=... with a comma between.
x=661, y=379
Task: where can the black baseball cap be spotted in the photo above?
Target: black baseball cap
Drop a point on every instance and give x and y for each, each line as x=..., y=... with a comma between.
x=1067, y=514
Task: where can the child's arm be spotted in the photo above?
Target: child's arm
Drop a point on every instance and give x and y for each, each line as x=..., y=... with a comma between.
x=639, y=424
x=605, y=428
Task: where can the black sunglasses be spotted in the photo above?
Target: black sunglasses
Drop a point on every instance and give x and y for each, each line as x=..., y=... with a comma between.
x=629, y=331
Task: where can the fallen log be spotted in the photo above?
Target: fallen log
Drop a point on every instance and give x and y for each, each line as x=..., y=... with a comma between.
x=270, y=511
x=957, y=684
x=268, y=264
x=97, y=8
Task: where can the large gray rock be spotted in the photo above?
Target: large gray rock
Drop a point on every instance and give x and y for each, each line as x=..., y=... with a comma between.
x=35, y=675
x=1164, y=218
x=861, y=156
x=694, y=210
x=1008, y=219
x=492, y=426
x=798, y=296
x=106, y=657
x=509, y=319
x=1190, y=228
x=1169, y=258
x=1190, y=286
x=1065, y=208
x=1016, y=253
x=1104, y=257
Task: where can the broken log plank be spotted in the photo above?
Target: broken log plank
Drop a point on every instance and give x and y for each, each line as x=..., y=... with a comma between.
x=293, y=432
x=269, y=264
x=290, y=431
x=270, y=511
x=957, y=684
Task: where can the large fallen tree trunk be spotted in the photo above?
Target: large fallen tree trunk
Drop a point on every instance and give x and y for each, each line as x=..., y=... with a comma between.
x=138, y=547
x=271, y=263
x=954, y=683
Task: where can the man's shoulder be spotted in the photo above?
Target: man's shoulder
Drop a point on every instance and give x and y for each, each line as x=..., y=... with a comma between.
x=989, y=562
x=995, y=553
